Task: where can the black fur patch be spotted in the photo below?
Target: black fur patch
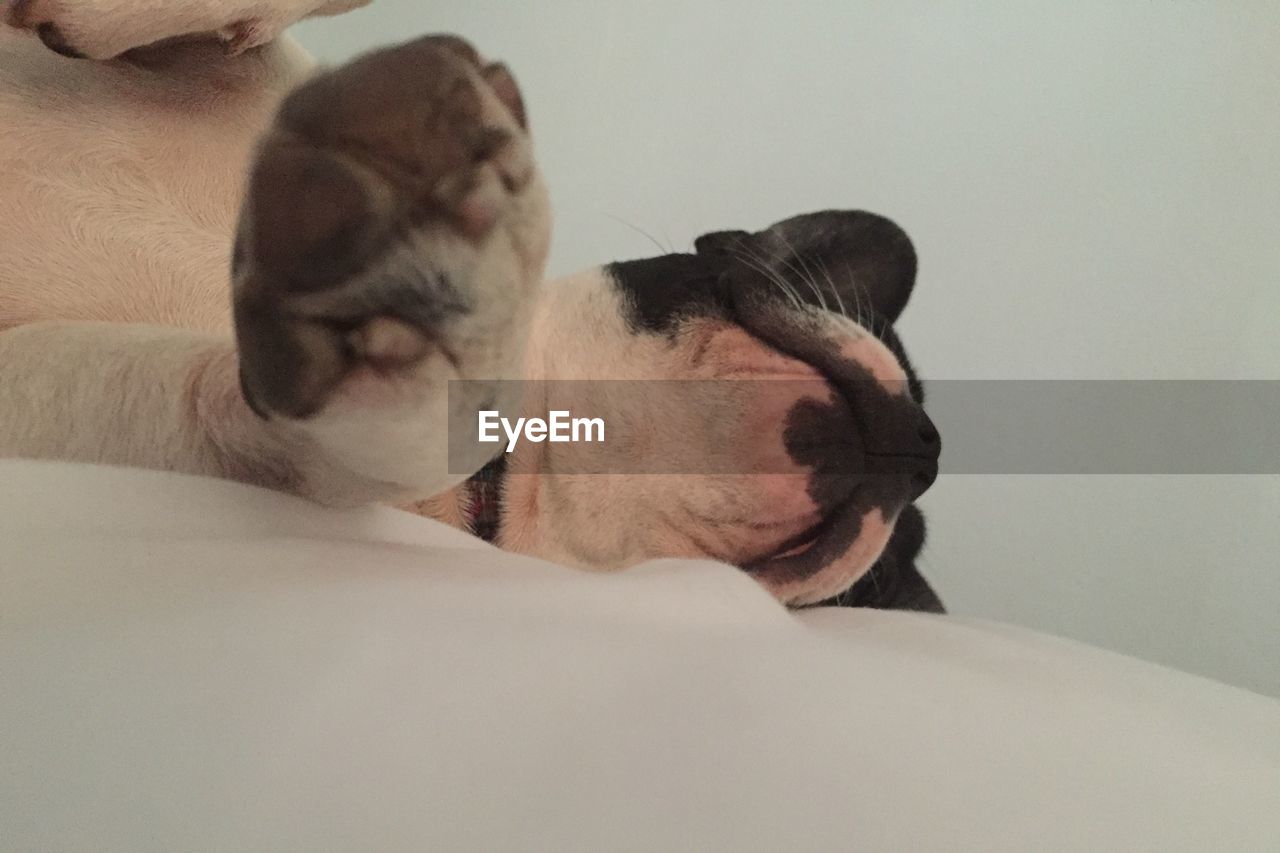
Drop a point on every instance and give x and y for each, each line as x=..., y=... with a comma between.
x=894, y=583
x=661, y=291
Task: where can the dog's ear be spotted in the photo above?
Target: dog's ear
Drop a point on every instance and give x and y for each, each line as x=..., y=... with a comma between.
x=867, y=259
x=721, y=242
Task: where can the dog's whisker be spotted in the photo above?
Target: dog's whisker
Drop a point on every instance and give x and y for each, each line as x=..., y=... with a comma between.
x=666, y=250
x=760, y=266
x=822, y=265
x=671, y=246
x=807, y=274
x=857, y=296
x=778, y=278
x=813, y=285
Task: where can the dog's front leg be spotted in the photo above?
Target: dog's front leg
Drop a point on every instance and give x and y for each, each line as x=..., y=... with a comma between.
x=392, y=239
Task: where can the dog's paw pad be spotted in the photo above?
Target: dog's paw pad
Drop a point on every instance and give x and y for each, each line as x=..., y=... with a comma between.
x=392, y=210
x=387, y=344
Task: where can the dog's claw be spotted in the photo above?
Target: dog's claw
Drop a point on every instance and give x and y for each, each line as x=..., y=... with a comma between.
x=244, y=35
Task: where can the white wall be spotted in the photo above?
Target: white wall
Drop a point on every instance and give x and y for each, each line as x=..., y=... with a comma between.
x=1094, y=191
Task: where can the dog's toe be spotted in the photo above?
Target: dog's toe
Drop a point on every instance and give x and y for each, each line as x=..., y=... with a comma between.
x=56, y=41
x=39, y=18
x=19, y=13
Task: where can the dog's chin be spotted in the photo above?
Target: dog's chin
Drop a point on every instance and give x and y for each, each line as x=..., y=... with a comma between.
x=825, y=561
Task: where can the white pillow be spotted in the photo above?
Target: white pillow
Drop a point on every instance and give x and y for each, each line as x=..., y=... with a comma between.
x=193, y=665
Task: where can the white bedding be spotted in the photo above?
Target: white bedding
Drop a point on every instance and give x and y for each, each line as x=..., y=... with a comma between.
x=190, y=665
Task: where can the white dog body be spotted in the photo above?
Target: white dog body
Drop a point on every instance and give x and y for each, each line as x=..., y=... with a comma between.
x=122, y=183
x=114, y=280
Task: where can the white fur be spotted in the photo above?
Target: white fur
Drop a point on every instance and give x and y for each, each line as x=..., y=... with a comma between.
x=119, y=191
x=122, y=187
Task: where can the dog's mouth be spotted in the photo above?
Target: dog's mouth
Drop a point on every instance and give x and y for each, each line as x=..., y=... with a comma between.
x=825, y=559
x=794, y=545
x=870, y=448
x=817, y=538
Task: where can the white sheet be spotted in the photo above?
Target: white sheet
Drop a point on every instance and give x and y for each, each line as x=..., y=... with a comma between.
x=193, y=665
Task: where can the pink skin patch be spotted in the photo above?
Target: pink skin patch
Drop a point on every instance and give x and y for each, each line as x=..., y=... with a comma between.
x=777, y=382
x=867, y=350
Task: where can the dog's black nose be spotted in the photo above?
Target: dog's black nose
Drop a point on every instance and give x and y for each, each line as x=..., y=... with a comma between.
x=871, y=435
x=930, y=448
x=927, y=442
x=899, y=438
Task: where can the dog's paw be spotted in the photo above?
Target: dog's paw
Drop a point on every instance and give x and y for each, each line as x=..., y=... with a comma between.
x=105, y=29
x=393, y=234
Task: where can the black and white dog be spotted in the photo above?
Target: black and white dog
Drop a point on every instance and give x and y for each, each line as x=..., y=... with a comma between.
x=384, y=228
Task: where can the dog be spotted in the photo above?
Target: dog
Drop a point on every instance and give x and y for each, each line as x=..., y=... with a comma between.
x=384, y=229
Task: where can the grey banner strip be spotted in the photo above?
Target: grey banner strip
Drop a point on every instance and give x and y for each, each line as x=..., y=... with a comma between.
x=1108, y=426
x=987, y=426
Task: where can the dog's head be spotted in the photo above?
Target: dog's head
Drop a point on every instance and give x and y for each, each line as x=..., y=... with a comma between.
x=801, y=378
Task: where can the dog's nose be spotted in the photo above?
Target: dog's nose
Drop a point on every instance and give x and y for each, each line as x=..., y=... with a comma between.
x=929, y=445
x=902, y=440
x=869, y=435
